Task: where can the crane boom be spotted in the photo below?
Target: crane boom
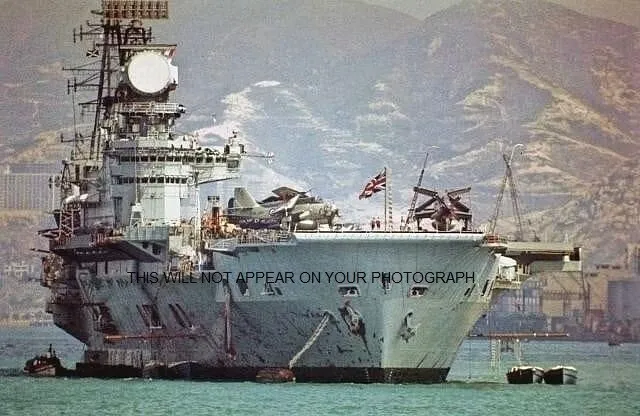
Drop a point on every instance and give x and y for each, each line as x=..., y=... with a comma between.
x=496, y=212
x=508, y=178
x=514, y=201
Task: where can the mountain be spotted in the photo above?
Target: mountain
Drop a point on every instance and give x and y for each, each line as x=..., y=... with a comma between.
x=419, y=9
x=473, y=80
x=622, y=11
x=534, y=73
x=340, y=89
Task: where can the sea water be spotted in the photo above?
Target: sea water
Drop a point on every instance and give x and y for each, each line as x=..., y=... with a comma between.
x=608, y=383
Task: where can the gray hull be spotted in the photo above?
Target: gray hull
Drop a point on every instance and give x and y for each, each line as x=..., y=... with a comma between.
x=408, y=328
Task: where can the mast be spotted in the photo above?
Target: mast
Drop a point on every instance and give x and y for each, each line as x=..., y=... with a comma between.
x=108, y=51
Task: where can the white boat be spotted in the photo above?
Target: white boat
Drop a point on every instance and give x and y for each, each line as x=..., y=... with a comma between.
x=561, y=374
x=525, y=374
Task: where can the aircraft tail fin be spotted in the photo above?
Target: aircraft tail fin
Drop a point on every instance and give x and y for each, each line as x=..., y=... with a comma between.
x=243, y=199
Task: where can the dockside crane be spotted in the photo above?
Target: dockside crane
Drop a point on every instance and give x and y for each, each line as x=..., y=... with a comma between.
x=508, y=178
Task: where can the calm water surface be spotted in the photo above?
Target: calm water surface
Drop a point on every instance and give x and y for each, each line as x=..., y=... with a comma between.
x=608, y=384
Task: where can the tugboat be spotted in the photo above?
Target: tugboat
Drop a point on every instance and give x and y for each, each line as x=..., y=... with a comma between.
x=44, y=365
x=561, y=374
x=524, y=374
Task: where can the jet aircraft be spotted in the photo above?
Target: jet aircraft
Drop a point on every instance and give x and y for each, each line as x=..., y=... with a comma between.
x=287, y=208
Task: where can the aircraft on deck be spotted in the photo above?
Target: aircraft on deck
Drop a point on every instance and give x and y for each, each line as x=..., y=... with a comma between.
x=443, y=212
x=287, y=209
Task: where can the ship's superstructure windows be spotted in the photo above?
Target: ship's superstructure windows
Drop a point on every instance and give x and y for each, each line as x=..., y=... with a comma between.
x=121, y=180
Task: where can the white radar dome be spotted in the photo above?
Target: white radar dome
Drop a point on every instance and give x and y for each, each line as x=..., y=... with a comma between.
x=149, y=72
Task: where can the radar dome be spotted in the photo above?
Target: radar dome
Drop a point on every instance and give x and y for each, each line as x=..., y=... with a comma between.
x=149, y=73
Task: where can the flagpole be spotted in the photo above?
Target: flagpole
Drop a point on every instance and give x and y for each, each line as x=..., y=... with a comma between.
x=388, y=201
x=386, y=188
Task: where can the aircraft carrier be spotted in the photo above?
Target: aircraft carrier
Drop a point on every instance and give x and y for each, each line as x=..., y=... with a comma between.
x=157, y=284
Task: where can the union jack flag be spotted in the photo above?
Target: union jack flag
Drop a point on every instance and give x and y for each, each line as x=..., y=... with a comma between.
x=377, y=184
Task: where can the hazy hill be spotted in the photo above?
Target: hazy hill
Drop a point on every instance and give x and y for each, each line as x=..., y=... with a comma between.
x=470, y=79
x=223, y=46
x=339, y=89
x=535, y=73
x=622, y=11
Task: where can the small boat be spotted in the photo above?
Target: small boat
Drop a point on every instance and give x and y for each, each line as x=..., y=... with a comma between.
x=561, y=374
x=524, y=374
x=44, y=365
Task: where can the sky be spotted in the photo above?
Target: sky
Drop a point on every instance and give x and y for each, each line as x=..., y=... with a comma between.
x=623, y=11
